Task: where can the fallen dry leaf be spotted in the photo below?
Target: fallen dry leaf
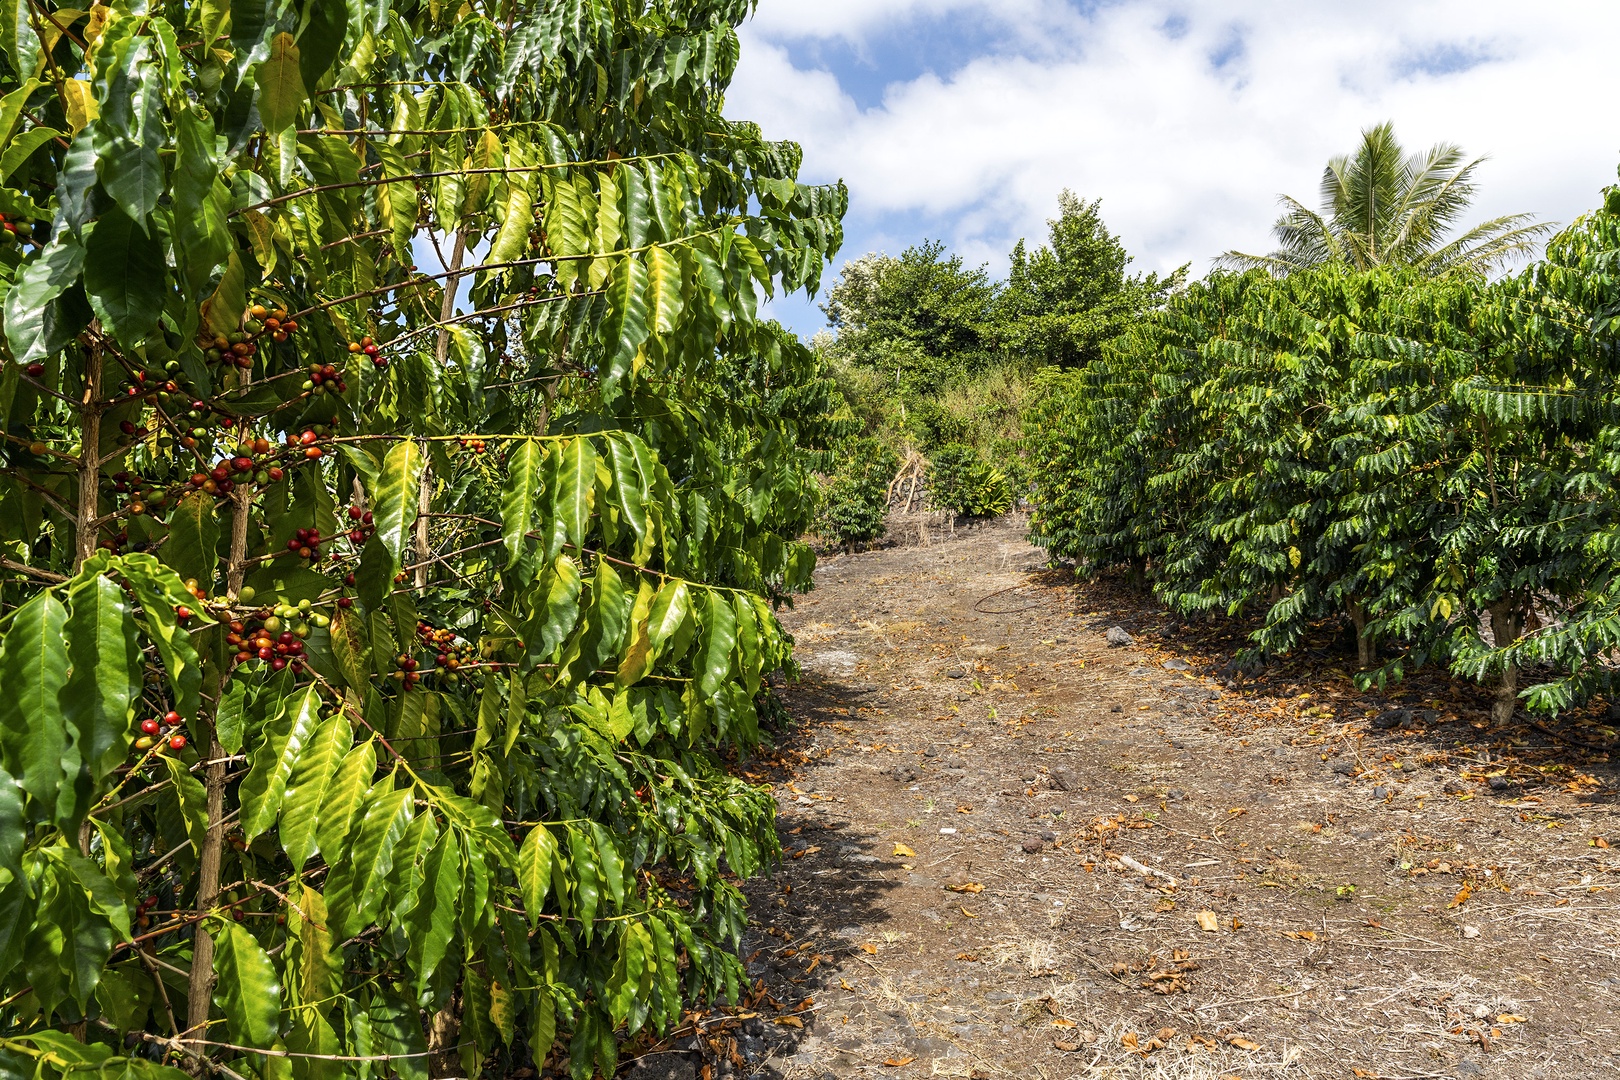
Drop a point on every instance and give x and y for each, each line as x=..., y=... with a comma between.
x=1064, y=1022
x=1300, y=935
x=970, y=887
x=1129, y=1040
x=968, y=913
x=969, y=957
x=1208, y=922
x=1510, y=1018
x=869, y=948
x=1241, y=1043
x=844, y=984
x=898, y=1063
x=1462, y=895
x=1066, y=1047
x=790, y=1021
x=1130, y=798
x=903, y=852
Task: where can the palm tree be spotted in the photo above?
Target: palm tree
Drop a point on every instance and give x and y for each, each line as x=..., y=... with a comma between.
x=1382, y=206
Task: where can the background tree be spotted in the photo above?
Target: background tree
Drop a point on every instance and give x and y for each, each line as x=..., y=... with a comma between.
x=1064, y=301
x=1383, y=207
x=921, y=318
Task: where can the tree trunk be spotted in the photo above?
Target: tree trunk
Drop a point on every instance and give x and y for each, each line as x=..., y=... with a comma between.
x=1366, y=646
x=1507, y=622
x=89, y=458
x=200, y=991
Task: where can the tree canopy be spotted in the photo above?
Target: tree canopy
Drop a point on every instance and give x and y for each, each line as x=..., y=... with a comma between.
x=1381, y=206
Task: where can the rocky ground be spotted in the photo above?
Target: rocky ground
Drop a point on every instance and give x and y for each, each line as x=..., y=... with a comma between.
x=1016, y=850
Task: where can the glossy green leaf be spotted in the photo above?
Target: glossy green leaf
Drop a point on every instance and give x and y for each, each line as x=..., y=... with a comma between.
x=715, y=643
x=281, y=84
x=522, y=500
x=34, y=670
x=431, y=924
x=124, y=276
x=36, y=324
x=394, y=503
x=309, y=785
x=345, y=798
x=192, y=548
x=193, y=799
x=535, y=861
x=104, y=684
x=264, y=790
x=247, y=989
x=626, y=327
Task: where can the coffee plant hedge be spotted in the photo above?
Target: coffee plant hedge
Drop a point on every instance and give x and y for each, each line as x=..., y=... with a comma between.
x=372, y=633
x=1425, y=457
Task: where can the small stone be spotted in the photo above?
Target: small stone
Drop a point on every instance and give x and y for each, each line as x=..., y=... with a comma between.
x=1391, y=718
x=1453, y=788
x=905, y=774
x=1344, y=768
x=956, y=675
x=932, y=751
x=1499, y=783
x=1380, y=793
x=1118, y=638
x=1177, y=664
x=1064, y=779
x=1176, y=795
x=947, y=832
x=1033, y=845
x=1117, y=708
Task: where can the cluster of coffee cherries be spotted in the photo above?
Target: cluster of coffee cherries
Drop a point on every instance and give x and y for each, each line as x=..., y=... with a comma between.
x=160, y=733
x=360, y=526
x=370, y=349
x=143, y=496
x=196, y=422
x=304, y=441
x=238, y=347
x=324, y=379
x=143, y=912
x=14, y=229
x=306, y=544
x=248, y=462
x=475, y=445
x=275, y=635
x=405, y=666
x=449, y=651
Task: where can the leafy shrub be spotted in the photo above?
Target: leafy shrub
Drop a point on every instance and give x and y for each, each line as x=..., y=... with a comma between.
x=370, y=663
x=855, y=500
x=961, y=481
x=1420, y=456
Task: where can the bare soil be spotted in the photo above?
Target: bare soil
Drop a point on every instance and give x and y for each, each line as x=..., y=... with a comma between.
x=1016, y=851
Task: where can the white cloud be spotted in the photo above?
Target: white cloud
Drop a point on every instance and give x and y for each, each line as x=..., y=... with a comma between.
x=1127, y=103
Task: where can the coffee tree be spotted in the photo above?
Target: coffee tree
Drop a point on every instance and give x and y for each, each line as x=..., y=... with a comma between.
x=394, y=504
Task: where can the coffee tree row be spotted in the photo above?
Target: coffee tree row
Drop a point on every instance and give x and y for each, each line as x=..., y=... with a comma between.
x=372, y=633
x=1424, y=457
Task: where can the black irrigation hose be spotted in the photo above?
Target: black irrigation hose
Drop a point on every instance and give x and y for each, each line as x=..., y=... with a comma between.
x=1009, y=611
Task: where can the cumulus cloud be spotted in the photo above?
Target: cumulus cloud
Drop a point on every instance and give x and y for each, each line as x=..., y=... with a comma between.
x=962, y=119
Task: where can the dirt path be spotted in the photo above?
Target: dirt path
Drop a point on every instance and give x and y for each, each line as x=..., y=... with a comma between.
x=1016, y=851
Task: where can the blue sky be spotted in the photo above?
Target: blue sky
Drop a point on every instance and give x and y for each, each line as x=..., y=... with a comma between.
x=961, y=120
